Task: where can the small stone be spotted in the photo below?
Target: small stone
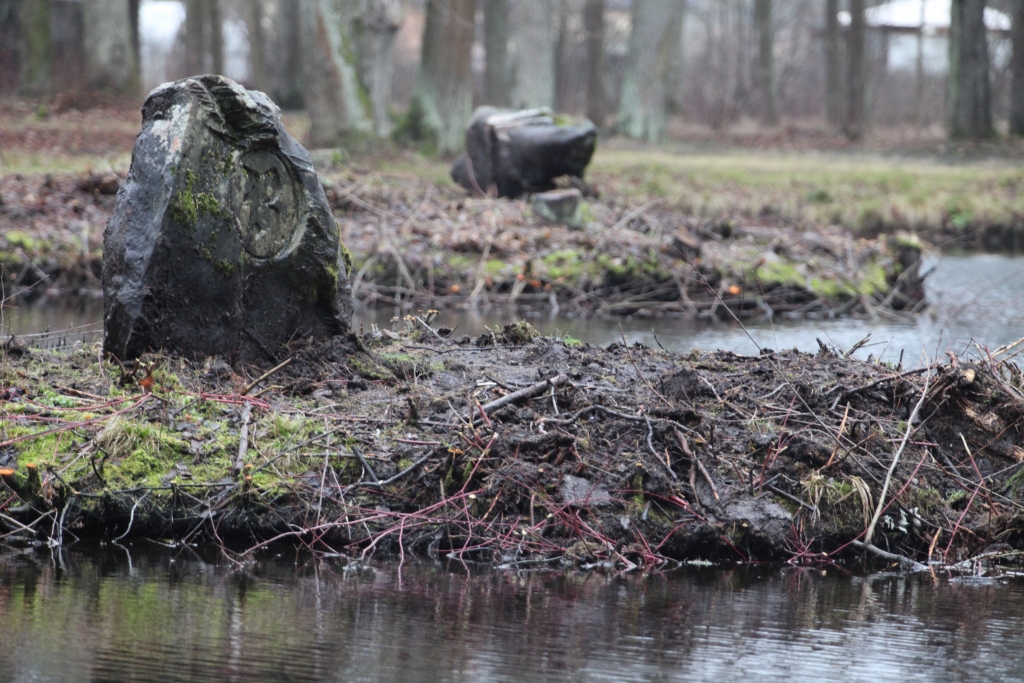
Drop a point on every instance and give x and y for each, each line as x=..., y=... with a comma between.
x=221, y=242
x=559, y=207
x=580, y=492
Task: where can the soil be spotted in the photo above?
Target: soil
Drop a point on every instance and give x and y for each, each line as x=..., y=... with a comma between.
x=519, y=451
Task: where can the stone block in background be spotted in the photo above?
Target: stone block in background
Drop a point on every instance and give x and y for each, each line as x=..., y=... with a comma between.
x=221, y=242
x=518, y=152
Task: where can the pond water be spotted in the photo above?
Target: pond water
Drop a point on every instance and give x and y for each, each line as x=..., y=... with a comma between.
x=101, y=615
x=979, y=297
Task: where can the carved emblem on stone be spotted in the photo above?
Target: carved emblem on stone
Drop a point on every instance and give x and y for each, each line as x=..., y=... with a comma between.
x=264, y=203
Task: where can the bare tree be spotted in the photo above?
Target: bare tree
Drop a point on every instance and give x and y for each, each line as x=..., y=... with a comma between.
x=642, y=107
x=593, y=24
x=833, y=64
x=496, y=74
x=970, y=107
x=288, y=81
x=533, y=35
x=1017, y=68
x=36, y=46
x=765, y=61
x=333, y=94
x=215, y=28
x=856, y=72
x=204, y=37
x=194, y=38
x=257, y=45
x=110, y=62
x=377, y=25
x=443, y=101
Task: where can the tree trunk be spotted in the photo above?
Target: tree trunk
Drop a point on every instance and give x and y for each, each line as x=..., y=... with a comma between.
x=676, y=69
x=133, y=16
x=37, y=47
x=496, y=75
x=68, y=46
x=534, y=31
x=334, y=98
x=109, y=56
x=644, y=101
x=257, y=45
x=970, y=107
x=593, y=25
x=215, y=29
x=288, y=62
x=1017, y=68
x=833, y=65
x=443, y=101
x=378, y=24
x=765, y=61
x=856, y=77
x=195, y=43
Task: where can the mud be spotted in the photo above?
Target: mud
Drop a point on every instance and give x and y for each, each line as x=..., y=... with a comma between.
x=618, y=457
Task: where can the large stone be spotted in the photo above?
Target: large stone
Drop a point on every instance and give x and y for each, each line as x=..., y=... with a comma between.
x=221, y=241
x=516, y=152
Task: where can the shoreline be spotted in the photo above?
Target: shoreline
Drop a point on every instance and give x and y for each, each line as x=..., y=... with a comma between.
x=516, y=450
x=415, y=245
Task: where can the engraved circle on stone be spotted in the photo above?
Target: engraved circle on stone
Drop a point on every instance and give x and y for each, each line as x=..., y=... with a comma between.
x=263, y=199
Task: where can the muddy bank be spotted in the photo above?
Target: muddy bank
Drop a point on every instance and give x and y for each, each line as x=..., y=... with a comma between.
x=518, y=451
x=416, y=245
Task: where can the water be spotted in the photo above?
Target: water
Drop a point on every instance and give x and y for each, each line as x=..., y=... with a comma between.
x=94, y=615
x=978, y=297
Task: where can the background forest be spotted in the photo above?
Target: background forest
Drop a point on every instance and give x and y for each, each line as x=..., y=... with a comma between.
x=412, y=70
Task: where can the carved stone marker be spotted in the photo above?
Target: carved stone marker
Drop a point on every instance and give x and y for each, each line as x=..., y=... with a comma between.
x=513, y=152
x=221, y=241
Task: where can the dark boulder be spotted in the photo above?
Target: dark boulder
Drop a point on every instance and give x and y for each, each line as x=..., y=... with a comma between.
x=221, y=241
x=517, y=152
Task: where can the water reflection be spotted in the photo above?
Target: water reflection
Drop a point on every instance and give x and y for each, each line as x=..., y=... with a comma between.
x=182, y=619
x=978, y=297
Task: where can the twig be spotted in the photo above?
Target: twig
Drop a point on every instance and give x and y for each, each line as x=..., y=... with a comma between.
x=650, y=445
x=784, y=494
x=401, y=474
x=265, y=375
x=684, y=444
x=895, y=461
x=913, y=565
x=366, y=466
x=131, y=517
x=243, y=439
x=523, y=394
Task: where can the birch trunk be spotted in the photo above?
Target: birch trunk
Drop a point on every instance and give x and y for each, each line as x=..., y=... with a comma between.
x=970, y=107
x=856, y=81
x=334, y=101
x=110, y=63
x=496, y=75
x=644, y=102
x=534, y=32
x=443, y=101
